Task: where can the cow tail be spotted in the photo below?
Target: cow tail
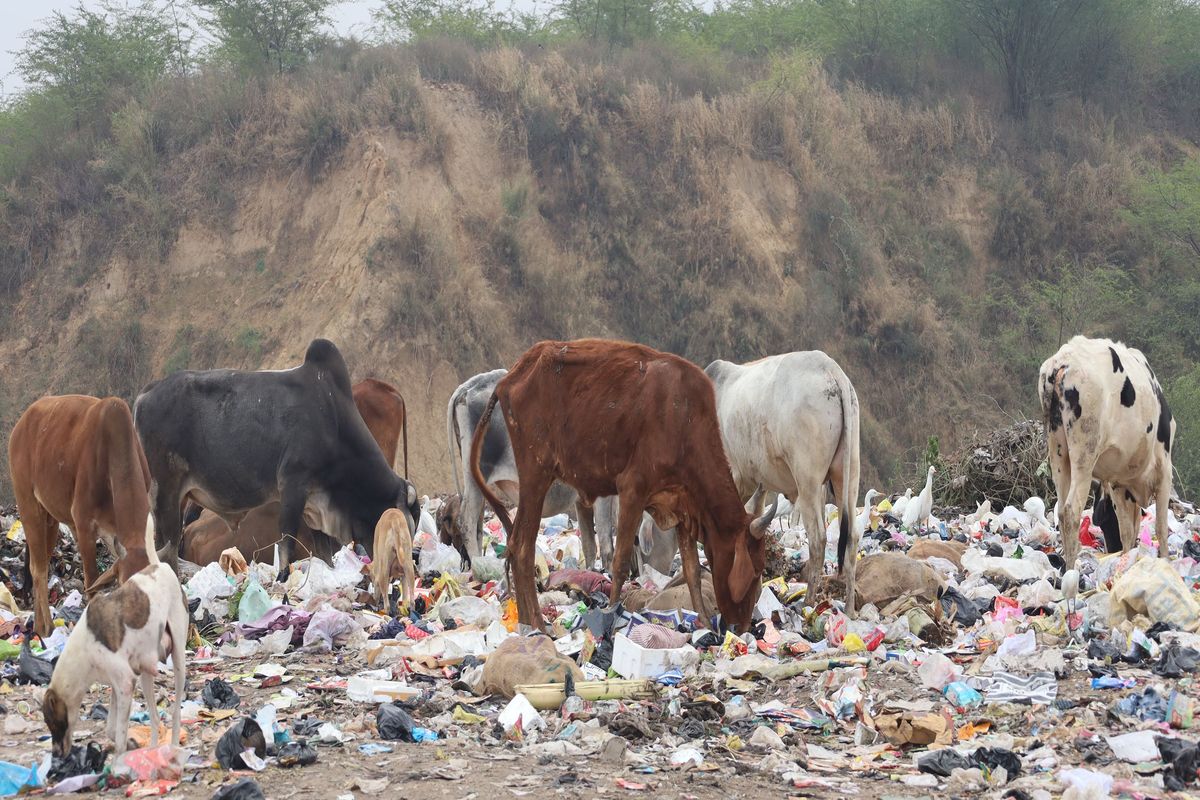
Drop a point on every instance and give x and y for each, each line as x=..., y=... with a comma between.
x=404, y=437
x=452, y=439
x=477, y=474
x=848, y=502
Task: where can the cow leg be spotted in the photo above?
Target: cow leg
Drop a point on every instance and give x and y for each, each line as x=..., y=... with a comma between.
x=291, y=515
x=1060, y=472
x=691, y=569
x=629, y=518
x=167, y=504
x=470, y=519
x=813, y=514
x=522, y=546
x=1072, y=509
x=41, y=534
x=587, y=533
x=1162, y=507
x=1129, y=514
x=85, y=540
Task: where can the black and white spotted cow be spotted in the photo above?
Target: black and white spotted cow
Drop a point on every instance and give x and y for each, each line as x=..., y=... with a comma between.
x=1106, y=417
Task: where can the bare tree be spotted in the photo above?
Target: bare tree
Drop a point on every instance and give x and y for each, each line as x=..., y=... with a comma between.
x=1025, y=37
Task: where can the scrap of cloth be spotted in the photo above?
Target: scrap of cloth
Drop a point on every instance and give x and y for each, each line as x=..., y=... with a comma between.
x=1040, y=688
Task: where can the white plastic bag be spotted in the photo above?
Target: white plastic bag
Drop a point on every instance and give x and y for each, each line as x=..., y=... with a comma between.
x=469, y=610
x=440, y=558
x=211, y=585
x=519, y=709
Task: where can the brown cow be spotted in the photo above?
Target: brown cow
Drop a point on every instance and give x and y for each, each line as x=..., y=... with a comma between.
x=77, y=460
x=613, y=418
x=208, y=535
x=205, y=539
x=382, y=408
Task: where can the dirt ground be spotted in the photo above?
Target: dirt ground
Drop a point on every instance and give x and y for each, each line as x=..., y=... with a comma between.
x=460, y=766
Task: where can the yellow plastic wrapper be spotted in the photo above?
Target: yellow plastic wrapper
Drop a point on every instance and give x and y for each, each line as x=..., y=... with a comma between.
x=466, y=717
x=853, y=643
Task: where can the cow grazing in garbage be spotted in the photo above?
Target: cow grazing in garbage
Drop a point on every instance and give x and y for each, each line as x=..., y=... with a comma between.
x=498, y=465
x=1107, y=418
x=206, y=535
x=613, y=418
x=234, y=441
x=257, y=534
x=77, y=460
x=790, y=423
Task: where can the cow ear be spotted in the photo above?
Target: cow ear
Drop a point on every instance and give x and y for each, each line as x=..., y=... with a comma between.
x=742, y=576
x=412, y=494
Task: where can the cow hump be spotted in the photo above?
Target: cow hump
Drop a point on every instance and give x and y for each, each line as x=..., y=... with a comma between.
x=323, y=354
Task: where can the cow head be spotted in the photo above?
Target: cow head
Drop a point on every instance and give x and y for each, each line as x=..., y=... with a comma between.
x=737, y=594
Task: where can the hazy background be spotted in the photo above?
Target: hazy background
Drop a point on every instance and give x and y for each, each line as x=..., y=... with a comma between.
x=18, y=16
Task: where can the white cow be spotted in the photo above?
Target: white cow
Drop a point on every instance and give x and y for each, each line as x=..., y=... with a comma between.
x=1106, y=417
x=790, y=422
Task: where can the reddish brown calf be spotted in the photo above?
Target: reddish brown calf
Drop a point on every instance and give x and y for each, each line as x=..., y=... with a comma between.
x=613, y=418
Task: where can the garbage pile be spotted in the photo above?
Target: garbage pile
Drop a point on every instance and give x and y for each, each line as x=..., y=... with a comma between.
x=1005, y=466
x=971, y=666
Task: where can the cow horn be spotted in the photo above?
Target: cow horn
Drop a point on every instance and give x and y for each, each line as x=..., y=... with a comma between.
x=759, y=526
x=752, y=503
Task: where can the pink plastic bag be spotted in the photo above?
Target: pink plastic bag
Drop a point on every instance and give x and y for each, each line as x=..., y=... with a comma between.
x=151, y=763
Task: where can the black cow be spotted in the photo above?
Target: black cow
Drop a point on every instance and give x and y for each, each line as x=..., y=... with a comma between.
x=232, y=441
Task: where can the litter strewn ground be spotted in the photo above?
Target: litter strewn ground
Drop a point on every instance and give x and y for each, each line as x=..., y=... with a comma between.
x=967, y=671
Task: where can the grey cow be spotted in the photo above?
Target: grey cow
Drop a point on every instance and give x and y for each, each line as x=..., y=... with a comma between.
x=656, y=546
x=496, y=463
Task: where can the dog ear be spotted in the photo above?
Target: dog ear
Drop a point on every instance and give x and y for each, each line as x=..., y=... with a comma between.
x=54, y=711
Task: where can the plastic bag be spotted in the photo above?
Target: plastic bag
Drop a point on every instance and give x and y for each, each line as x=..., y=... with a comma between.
x=245, y=789
x=219, y=694
x=439, y=558
x=520, y=711
x=31, y=668
x=936, y=671
x=962, y=696
x=394, y=723
x=1177, y=661
x=331, y=628
x=469, y=610
x=255, y=602
x=211, y=585
x=277, y=643
x=1184, y=759
x=486, y=568
x=243, y=735
x=14, y=777
x=81, y=761
x=151, y=763
x=1152, y=587
x=297, y=754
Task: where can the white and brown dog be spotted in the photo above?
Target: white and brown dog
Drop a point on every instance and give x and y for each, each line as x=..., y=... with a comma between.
x=120, y=636
x=393, y=552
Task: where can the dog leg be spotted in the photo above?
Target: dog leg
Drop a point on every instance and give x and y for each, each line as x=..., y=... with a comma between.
x=151, y=705
x=122, y=698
